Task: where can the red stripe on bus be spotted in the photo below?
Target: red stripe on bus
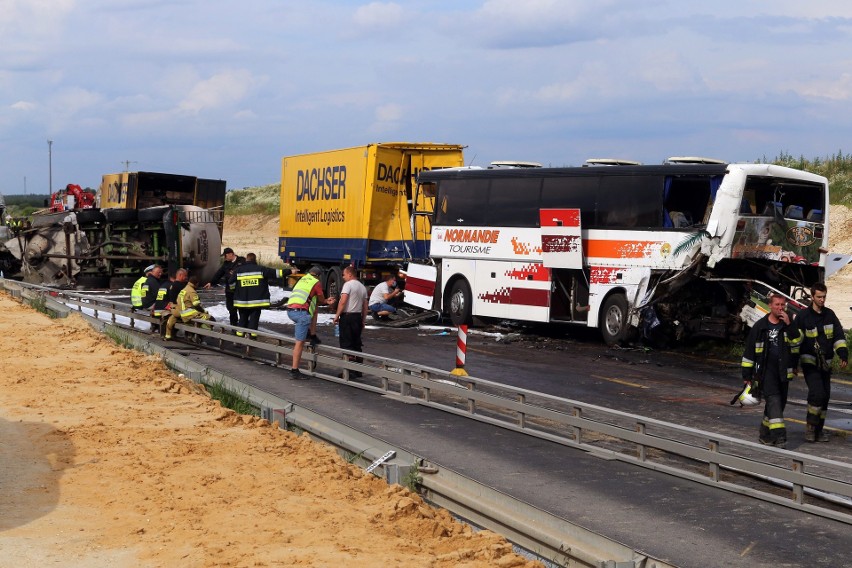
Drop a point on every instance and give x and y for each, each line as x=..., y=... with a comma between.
x=538, y=272
x=419, y=286
x=601, y=275
x=518, y=296
x=560, y=243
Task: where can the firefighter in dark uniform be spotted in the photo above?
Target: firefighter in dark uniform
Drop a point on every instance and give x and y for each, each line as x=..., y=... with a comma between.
x=250, y=286
x=144, y=291
x=160, y=309
x=770, y=355
x=224, y=274
x=823, y=338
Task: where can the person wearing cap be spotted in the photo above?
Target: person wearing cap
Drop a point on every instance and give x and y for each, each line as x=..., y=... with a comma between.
x=302, y=310
x=250, y=286
x=224, y=274
x=144, y=291
x=384, y=294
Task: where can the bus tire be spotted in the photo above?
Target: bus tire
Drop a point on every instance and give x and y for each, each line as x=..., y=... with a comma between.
x=460, y=303
x=333, y=282
x=613, y=319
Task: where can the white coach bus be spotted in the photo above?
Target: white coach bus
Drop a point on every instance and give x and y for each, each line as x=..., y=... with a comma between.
x=674, y=250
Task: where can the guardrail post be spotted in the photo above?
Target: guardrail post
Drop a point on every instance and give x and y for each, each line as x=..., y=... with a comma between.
x=578, y=431
x=522, y=416
x=405, y=386
x=641, y=428
x=471, y=403
x=427, y=392
x=798, y=489
x=714, y=465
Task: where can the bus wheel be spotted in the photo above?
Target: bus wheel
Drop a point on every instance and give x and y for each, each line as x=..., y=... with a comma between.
x=333, y=282
x=613, y=319
x=459, y=304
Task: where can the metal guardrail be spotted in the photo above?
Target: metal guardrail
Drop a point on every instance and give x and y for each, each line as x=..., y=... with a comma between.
x=816, y=485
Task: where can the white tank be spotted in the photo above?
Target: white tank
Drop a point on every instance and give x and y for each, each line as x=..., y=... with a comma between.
x=201, y=242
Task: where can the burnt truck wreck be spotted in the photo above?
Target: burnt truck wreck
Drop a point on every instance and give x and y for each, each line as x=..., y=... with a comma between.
x=91, y=247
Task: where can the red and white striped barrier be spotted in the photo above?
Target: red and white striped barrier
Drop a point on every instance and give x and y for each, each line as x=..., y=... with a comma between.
x=461, y=352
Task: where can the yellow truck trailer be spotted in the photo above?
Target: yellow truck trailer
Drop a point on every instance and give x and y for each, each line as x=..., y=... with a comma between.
x=358, y=206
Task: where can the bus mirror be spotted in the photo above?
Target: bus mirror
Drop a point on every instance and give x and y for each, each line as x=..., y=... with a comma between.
x=429, y=189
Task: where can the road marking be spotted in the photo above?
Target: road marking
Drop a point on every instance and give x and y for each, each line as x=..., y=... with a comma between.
x=619, y=381
x=797, y=421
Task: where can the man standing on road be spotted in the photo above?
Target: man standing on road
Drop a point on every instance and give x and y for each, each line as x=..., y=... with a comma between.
x=301, y=309
x=144, y=291
x=770, y=355
x=351, y=313
x=250, y=285
x=224, y=274
x=823, y=337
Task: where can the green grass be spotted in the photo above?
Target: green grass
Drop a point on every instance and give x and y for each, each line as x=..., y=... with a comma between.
x=236, y=401
x=837, y=168
x=119, y=337
x=259, y=200
x=412, y=480
x=39, y=304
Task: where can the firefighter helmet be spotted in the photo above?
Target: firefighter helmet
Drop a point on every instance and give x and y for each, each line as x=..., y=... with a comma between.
x=750, y=395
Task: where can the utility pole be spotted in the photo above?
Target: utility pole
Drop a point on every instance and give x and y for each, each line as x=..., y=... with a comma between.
x=127, y=164
x=50, y=166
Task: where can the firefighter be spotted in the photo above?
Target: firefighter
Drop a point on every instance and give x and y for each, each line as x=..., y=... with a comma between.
x=224, y=274
x=249, y=284
x=162, y=308
x=770, y=355
x=188, y=307
x=144, y=291
x=823, y=338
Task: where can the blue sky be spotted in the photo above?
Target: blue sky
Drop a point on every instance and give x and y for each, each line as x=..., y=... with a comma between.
x=225, y=89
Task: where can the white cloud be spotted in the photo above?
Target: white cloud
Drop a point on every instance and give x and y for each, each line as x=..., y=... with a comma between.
x=379, y=15
x=389, y=112
x=222, y=89
x=25, y=106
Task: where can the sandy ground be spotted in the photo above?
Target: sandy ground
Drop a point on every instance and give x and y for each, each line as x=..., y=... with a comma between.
x=259, y=234
x=107, y=459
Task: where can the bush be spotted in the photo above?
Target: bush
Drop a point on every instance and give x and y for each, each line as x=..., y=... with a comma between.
x=261, y=200
x=837, y=168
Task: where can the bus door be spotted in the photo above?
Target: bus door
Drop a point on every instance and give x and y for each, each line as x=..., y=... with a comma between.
x=562, y=254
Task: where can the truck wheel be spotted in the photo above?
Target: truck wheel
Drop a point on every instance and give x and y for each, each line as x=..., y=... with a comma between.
x=460, y=303
x=89, y=216
x=153, y=214
x=613, y=319
x=333, y=282
x=120, y=215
